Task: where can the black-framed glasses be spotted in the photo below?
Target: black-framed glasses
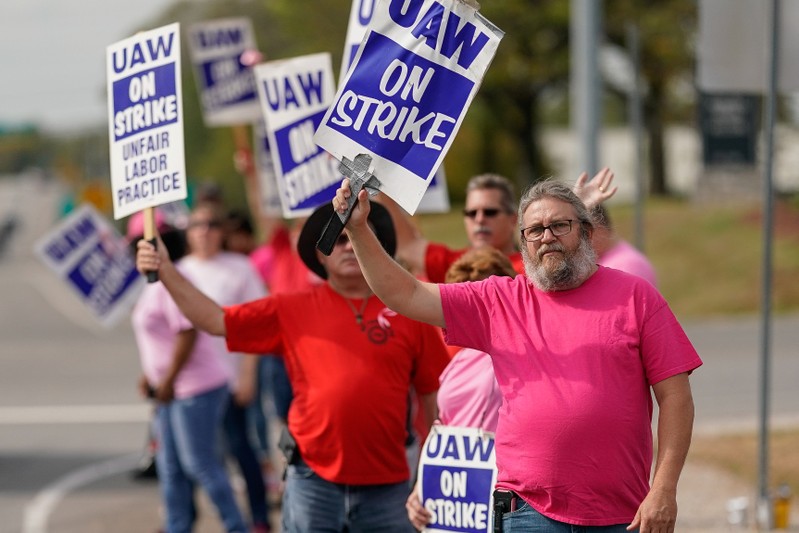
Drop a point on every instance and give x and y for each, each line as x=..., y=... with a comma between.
x=489, y=212
x=536, y=233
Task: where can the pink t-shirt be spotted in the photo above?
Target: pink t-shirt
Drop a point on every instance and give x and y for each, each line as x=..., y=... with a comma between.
x=156, y=323
x=227, y=279
x=469, y=395
x=575, y=368
x=627, y=258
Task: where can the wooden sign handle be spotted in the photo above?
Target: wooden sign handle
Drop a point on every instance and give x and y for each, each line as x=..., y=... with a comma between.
x=149, y=235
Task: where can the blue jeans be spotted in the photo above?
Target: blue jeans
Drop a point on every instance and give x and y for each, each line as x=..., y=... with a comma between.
x=240, y=447
x=312, y=504
x=188, y=453
x=258, y=412
x=525, y=519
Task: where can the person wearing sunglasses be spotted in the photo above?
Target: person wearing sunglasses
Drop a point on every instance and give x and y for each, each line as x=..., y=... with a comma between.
x=489, y=219
x=351, y=362
x=579, y=351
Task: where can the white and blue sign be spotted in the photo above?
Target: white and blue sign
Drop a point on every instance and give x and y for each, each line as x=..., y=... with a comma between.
x=294, y=94
x=146, y=120
x=88, y=254
x=360, y=17
x=457, y=474
x=408, y=89
x=227, y=86
x=436, y=198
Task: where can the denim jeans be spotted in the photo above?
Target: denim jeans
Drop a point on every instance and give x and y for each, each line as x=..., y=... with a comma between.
x=188, y=453
x=525, y=519
x=312, y=504
x=240, y=447
x=259, y=411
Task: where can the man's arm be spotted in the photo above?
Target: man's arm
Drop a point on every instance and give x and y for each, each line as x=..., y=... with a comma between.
x=201, y=311
x=394, y=285
x=411, y=244
x=658, y=511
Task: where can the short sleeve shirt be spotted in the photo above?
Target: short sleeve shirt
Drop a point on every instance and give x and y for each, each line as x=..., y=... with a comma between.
x=575, y=369
x=350, y=381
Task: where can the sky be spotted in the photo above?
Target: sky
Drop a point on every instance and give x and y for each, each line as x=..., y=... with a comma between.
x=52, y=58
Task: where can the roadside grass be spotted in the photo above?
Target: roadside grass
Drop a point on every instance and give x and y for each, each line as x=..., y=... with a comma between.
x=738, y=454
x=709, y=261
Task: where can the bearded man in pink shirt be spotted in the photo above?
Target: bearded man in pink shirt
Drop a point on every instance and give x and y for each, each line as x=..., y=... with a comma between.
x=577, y=349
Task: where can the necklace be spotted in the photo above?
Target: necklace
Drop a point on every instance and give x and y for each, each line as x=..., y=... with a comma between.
x=358, y=313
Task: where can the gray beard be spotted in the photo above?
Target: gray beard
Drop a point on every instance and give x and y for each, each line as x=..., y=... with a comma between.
x=571, y=272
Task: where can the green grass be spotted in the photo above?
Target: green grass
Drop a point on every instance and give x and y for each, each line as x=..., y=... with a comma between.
x=708, y=257
x=738, y=455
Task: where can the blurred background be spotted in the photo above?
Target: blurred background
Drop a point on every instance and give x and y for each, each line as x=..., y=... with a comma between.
x=68, y=405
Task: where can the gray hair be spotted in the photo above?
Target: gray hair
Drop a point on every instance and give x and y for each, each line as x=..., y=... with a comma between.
x=549, y=188
x=497, y=183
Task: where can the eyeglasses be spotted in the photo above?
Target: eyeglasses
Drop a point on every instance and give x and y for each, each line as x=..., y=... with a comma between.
x=209, y=224
x=536, y=233
x=489, y=212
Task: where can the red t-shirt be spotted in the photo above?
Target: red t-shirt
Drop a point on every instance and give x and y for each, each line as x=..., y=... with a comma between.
x=350, y=382
x=438, y=258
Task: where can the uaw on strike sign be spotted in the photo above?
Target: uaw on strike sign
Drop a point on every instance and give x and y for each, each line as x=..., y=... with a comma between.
x=146, y=120
x=408, y=89
x=226, y=84
x=294, y=94
x=457, y=473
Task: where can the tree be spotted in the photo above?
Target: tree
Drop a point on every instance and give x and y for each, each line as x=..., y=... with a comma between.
x=667, y=29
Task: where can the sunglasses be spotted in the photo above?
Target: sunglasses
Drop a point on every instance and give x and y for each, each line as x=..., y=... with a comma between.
x=489, y=212
x=210, y=224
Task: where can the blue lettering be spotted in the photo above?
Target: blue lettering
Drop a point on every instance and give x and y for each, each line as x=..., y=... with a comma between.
x=405, y=12
x=288, y=95
x=429, y=26
x=313, y=85
x=365, y=15
x=136, y=55
x=161, y=46
x=451, y=449
x=121, y=60
x=463, y=39
x=223, y=37
x=477, y=445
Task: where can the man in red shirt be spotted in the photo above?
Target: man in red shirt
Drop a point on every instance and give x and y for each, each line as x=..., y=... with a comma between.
x=351, y=362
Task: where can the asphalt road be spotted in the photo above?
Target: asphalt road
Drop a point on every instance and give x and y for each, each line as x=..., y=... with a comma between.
x=72, y=425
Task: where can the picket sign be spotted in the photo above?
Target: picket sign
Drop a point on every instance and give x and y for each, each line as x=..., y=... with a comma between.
x=436, y=198
x=89, y=256
x=225, y=82
x=404, y=97
x=457, y=474
x=294, y=95
x=145, y=124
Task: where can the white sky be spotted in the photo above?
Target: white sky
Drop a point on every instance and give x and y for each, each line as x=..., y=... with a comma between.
x=52, y=57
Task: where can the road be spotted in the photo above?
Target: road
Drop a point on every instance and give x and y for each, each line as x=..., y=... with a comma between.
x=72, y=425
